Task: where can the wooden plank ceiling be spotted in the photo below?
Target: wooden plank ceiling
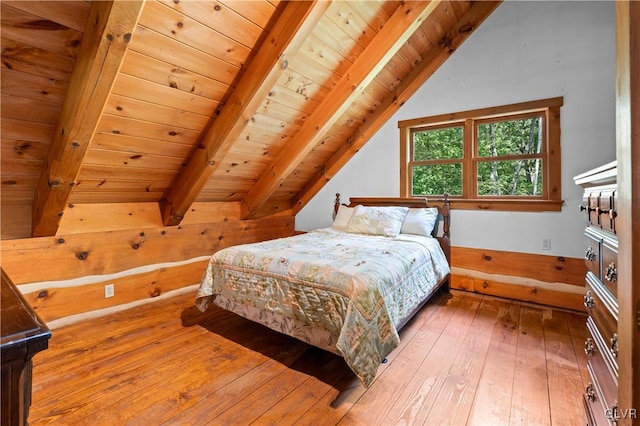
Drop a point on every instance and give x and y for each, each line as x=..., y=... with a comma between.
x=176, y=102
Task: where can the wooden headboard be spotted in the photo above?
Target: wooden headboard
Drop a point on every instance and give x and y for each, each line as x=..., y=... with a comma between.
x=443, y=205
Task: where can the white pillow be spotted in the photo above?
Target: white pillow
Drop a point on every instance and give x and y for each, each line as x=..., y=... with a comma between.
x=341, y=220
x=420, y=221
x=385, y=221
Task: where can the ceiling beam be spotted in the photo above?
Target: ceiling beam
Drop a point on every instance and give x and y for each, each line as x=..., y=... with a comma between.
x=420, y=73
x=288, y=34
x=104, y=44
x=400, y=27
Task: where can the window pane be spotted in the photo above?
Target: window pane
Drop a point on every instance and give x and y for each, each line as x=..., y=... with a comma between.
x=513, y=137
x=510, y=178
x=437, y=144
x=436, y=179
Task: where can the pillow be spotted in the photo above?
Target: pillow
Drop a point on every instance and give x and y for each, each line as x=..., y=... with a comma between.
x=385, y=221
x=341, y=220
x=420, y=221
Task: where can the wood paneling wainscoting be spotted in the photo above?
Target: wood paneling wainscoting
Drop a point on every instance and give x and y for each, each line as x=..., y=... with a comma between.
x=547, y=280
x=464, y=359
x=64, y=276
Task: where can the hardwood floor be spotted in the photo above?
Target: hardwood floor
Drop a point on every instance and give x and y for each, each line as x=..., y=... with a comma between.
x=464, y=359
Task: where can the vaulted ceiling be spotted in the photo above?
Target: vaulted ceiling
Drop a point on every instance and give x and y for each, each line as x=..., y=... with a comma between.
x=180, y=101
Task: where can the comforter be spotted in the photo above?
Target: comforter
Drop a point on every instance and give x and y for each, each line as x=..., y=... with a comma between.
x=356, y=287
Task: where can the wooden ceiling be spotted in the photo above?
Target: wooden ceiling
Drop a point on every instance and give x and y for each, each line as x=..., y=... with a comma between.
x=176, y=102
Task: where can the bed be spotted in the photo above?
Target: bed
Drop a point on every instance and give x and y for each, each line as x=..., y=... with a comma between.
x=348, y=288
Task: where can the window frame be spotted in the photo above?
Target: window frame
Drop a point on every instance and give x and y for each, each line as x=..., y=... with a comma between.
x=551, y=194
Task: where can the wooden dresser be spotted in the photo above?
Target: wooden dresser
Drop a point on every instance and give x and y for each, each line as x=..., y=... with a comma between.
x=598, y=207
x=23, y=335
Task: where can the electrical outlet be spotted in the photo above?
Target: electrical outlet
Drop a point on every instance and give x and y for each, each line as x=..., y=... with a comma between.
x=109, y=291
x=546, y=244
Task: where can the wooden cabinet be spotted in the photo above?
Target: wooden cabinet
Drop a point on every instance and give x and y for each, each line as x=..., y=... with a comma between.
x=23, y=335
x=599, y=212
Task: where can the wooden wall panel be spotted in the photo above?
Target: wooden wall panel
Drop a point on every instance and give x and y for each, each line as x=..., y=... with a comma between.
x=547, y=280
x=549, y=269
x=54, y=303
x=212, y=212
x=66, y=257
x=65, y=275
x=526, y=291
x=16, y=220
x=83, y=218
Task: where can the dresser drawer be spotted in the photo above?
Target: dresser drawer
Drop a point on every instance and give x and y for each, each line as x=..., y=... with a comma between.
x=598, y=413
x=609, y=265
x=602, y=362
x=593, y=252
x=599, y=207
x=593, y=199
x=603, y=309
x=606, y=210
x=588, y=208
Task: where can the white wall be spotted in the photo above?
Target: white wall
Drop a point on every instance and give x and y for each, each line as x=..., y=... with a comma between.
x=524, y=51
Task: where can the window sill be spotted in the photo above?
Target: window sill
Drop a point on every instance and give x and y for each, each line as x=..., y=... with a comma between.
x=501, y=204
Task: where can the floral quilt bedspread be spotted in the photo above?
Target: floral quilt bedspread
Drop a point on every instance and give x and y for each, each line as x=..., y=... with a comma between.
x=357, y=287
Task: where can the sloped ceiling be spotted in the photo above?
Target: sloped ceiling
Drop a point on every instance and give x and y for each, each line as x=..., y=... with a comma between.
x=182, y=101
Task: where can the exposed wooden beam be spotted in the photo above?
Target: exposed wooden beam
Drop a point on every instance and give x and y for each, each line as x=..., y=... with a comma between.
x=104, y=44
x=450, y=42
x=293, y=27
x=406, y=19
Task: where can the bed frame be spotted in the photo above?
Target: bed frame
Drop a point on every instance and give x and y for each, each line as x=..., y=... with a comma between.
x=443, y=205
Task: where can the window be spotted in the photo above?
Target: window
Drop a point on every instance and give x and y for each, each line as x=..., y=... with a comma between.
x=500, y=158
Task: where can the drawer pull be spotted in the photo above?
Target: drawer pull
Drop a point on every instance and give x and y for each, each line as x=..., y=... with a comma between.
x=612, y=214
x=590, y=393
x=589, y=347
x=587, y=208
x=588, y=300
x=590, y=254
x=612, y=272
x=614, y=345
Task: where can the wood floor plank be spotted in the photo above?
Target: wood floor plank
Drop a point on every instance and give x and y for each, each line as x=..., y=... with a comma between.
x=214, y=363
x=111, y=357
x=292, y=407
x=204, y=404
x=530, y=399
x=111, y=351
x=112, y=382
x=495, y=389
x=122, y=323
x=565, y=381
x=348, y=392
x=411, y=393
x=168, y=364
x=335, y=403
x=579, y=334
x=212, y=383
x=256, y=404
